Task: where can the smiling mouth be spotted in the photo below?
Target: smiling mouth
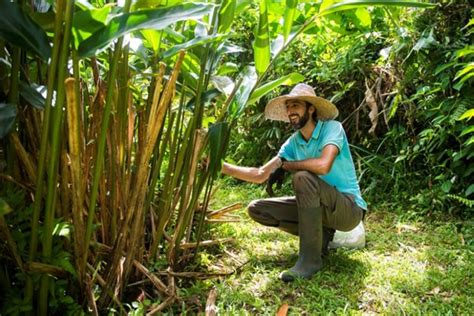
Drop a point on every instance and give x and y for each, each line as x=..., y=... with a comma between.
x=293, y=117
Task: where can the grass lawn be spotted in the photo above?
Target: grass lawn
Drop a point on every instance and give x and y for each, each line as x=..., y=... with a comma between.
x=409, y=266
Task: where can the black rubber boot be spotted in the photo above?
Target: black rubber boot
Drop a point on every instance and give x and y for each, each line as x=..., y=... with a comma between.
x=328, y=235
x=310, y=230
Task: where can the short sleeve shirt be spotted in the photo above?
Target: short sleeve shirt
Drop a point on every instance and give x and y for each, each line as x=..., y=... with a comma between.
x=342, y=175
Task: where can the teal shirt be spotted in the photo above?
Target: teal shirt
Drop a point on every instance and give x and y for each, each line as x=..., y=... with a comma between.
x=342, y=175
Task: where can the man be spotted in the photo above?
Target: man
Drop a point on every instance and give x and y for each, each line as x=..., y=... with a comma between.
x=327, y=194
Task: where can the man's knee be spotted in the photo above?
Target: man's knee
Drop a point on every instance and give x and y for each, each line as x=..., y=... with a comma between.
x=254, y=209
x=305, y=181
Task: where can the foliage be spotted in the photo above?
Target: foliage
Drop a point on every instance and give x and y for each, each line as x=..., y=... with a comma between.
x=417, y=148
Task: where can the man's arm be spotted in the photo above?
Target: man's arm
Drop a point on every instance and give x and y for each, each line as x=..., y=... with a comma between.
x=252, y=174
x=319, y=166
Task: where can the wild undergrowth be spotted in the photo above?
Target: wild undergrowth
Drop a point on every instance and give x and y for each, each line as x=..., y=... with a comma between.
x=410, y=265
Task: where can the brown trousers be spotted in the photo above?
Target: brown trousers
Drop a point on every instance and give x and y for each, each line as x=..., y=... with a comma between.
x=339, y=211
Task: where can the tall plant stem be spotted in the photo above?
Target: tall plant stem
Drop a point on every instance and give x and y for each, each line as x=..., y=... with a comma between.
x=102, y=139
x=44, y=143
x=57, y=116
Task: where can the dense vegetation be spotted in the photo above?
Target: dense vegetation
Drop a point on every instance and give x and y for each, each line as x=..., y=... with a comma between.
x=402, y=84
x=107, y=110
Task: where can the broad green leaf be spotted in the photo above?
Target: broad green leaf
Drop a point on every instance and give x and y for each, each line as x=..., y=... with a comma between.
x=227, y=68
x=446, y=186
x=173, y=35
x=148, y=4
x=152, y=38
x=441, y=68
x=218, y=136
x=394, y=106
x=352, y=4
x=243, y=92
x=145, y=19
x=364, y=17
x=45, y=20
x=241, y=6
x=290, y=79
x=467, y=115
x=468, y=68
x=226, y=15
x=35, y=95
x=459, y=85
x=226, y=48
x=261, y=46
x=289, y=16
x=206, y=97
x=224, y=84
x=468, y=130
x=7, y=118
x=325, y=4
x=469, y=141
x=193, y=43
x=469, y=190
x=468, y=50
x=87, y=22
x=4, y=207
x=84, y=5
x=20, y=30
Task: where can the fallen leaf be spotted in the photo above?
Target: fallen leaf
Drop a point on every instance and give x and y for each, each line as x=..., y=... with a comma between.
x=211, y=308
x=283, y=310
x=434, y=291
x=374, y=111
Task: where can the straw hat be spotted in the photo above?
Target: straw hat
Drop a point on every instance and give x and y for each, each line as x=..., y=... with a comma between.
x=276, y=108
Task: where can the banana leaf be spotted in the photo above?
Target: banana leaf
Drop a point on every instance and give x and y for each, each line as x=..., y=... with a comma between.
x=353, y=4
x=218, y=140
x=89, y=21
x=35, y=95
x=226, y=15
x=20, y=30
x=144, y=19
x=201, y=40
x=243, y=92
x=290, y=79
x=7, y=118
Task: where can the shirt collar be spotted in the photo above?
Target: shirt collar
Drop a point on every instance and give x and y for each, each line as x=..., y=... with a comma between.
x=315, y=135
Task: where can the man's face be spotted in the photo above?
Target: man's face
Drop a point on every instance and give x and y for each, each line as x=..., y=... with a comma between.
x=298, y=113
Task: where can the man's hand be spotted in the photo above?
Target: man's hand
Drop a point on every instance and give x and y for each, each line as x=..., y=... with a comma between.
x=277, y=176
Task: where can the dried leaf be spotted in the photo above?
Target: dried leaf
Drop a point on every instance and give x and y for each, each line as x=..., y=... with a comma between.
x=435, y=291
x=283, y=310
x=374, y=111
x=211, y=308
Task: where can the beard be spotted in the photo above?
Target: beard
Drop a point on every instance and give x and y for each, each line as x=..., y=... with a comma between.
x=301, y=121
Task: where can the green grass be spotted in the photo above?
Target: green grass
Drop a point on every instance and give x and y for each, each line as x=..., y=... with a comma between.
x=410, y=266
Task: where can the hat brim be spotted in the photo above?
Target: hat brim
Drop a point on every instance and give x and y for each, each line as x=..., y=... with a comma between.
x=276, y=108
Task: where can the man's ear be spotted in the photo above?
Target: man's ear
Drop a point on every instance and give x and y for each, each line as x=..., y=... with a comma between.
x=311, y=109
